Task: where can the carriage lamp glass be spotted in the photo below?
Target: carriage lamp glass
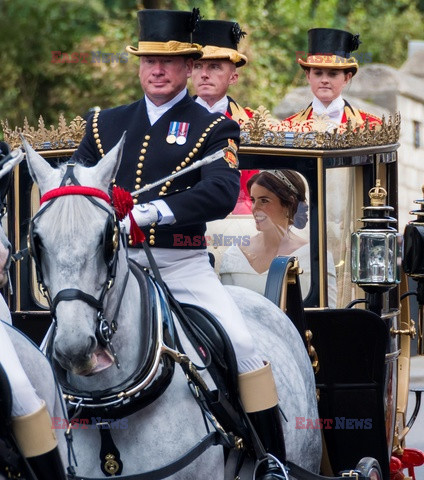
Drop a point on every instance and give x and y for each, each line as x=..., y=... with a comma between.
x=377, y=247
x=375, y=257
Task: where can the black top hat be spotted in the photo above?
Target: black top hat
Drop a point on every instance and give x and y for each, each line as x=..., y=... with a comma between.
x=330, y=40
x=331, y=48
x=219, y=40
x=167, y=32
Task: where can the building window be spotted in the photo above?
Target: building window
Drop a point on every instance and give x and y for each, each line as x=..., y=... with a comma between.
x=417, y=134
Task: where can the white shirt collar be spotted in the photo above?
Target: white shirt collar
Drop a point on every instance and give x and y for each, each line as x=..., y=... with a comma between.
x=334, y=110
x=219, y=107
x=155, y=112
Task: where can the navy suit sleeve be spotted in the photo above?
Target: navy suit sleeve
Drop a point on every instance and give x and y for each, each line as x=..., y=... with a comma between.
x=215, y=195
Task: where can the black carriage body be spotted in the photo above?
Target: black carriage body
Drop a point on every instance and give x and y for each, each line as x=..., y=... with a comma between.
x=357, y=380
x=357, y=354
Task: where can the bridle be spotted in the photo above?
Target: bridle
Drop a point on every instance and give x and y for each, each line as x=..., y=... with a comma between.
x=104, y=329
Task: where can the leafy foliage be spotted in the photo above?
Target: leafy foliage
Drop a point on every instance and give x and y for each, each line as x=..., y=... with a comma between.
x=32, y=83
x=29, y=33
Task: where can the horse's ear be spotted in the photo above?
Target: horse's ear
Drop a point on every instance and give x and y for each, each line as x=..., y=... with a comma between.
x=106, y=168
x=40, y=170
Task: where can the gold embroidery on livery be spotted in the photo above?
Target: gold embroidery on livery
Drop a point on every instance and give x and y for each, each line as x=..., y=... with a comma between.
x=231, y=154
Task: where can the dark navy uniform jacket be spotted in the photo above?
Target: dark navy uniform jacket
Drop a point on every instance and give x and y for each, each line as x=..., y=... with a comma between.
x=202, y=195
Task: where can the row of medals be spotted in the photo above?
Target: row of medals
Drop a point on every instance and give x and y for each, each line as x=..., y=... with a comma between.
x=181, y=140
x=177, y=133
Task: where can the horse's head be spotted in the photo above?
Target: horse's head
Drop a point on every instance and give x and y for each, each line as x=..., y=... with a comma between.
x=8, y=160
x=73, y=240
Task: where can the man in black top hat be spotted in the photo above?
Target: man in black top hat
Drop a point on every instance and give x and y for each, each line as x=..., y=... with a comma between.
x=166, y=132
x=329, y=67
x=216, y=70
x=213, y=74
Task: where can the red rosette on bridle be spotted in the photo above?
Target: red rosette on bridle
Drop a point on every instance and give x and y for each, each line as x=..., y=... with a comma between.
x=123, y=204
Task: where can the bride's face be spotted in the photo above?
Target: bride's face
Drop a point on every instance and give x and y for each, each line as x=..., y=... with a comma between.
x=267, y=209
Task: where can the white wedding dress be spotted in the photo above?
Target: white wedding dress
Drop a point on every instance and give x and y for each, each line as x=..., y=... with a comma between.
x=236, y=270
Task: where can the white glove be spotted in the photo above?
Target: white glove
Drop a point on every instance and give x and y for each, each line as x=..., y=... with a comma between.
x=144, y=214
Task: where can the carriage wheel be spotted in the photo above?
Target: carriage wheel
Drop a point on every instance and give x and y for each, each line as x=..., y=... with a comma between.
x=369, y=467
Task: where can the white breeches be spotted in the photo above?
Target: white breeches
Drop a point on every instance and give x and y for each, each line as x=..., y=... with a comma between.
x=25, y=400
x=191, y=279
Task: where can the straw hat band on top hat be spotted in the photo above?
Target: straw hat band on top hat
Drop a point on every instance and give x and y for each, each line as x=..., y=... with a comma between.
x=169, y=48
x=220, y=53
x=331, y=48
x=167, y=32
x=329, y=61
x=220, y=39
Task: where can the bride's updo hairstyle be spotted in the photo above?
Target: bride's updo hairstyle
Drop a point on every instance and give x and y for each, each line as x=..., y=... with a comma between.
x=290, y=188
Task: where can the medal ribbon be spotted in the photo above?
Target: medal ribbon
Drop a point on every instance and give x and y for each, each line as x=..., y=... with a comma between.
x=173, y=128
x=183, y=129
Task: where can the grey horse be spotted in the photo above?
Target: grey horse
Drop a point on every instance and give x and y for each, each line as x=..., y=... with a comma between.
x=34, y=363
x=70, y=242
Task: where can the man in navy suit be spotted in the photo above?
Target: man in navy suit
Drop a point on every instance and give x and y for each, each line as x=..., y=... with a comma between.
x=166, y=132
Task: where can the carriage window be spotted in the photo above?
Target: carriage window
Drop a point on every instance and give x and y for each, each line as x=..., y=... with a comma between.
x=342, y=213
x=36, y=294
x=271, y=218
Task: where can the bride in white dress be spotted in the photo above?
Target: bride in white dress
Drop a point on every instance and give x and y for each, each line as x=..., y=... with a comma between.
x=278, y=203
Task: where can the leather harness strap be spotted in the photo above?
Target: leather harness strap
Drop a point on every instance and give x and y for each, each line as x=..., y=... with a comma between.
x=210, y=440
x=301, y=474
x=213, y=439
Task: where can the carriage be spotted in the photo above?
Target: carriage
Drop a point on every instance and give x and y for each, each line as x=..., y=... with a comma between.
x=357, y=332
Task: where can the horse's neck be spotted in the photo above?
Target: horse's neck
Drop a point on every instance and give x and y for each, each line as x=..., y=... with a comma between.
x=126, y=340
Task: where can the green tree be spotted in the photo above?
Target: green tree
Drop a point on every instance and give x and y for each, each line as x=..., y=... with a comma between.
x=30, y=32
x=31, y=84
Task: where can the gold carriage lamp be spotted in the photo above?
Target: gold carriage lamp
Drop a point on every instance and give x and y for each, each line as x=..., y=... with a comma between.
x=413, y=262
x=376, y=247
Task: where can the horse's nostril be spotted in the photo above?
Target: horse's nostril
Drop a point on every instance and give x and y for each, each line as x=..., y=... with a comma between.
x=60, y=356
